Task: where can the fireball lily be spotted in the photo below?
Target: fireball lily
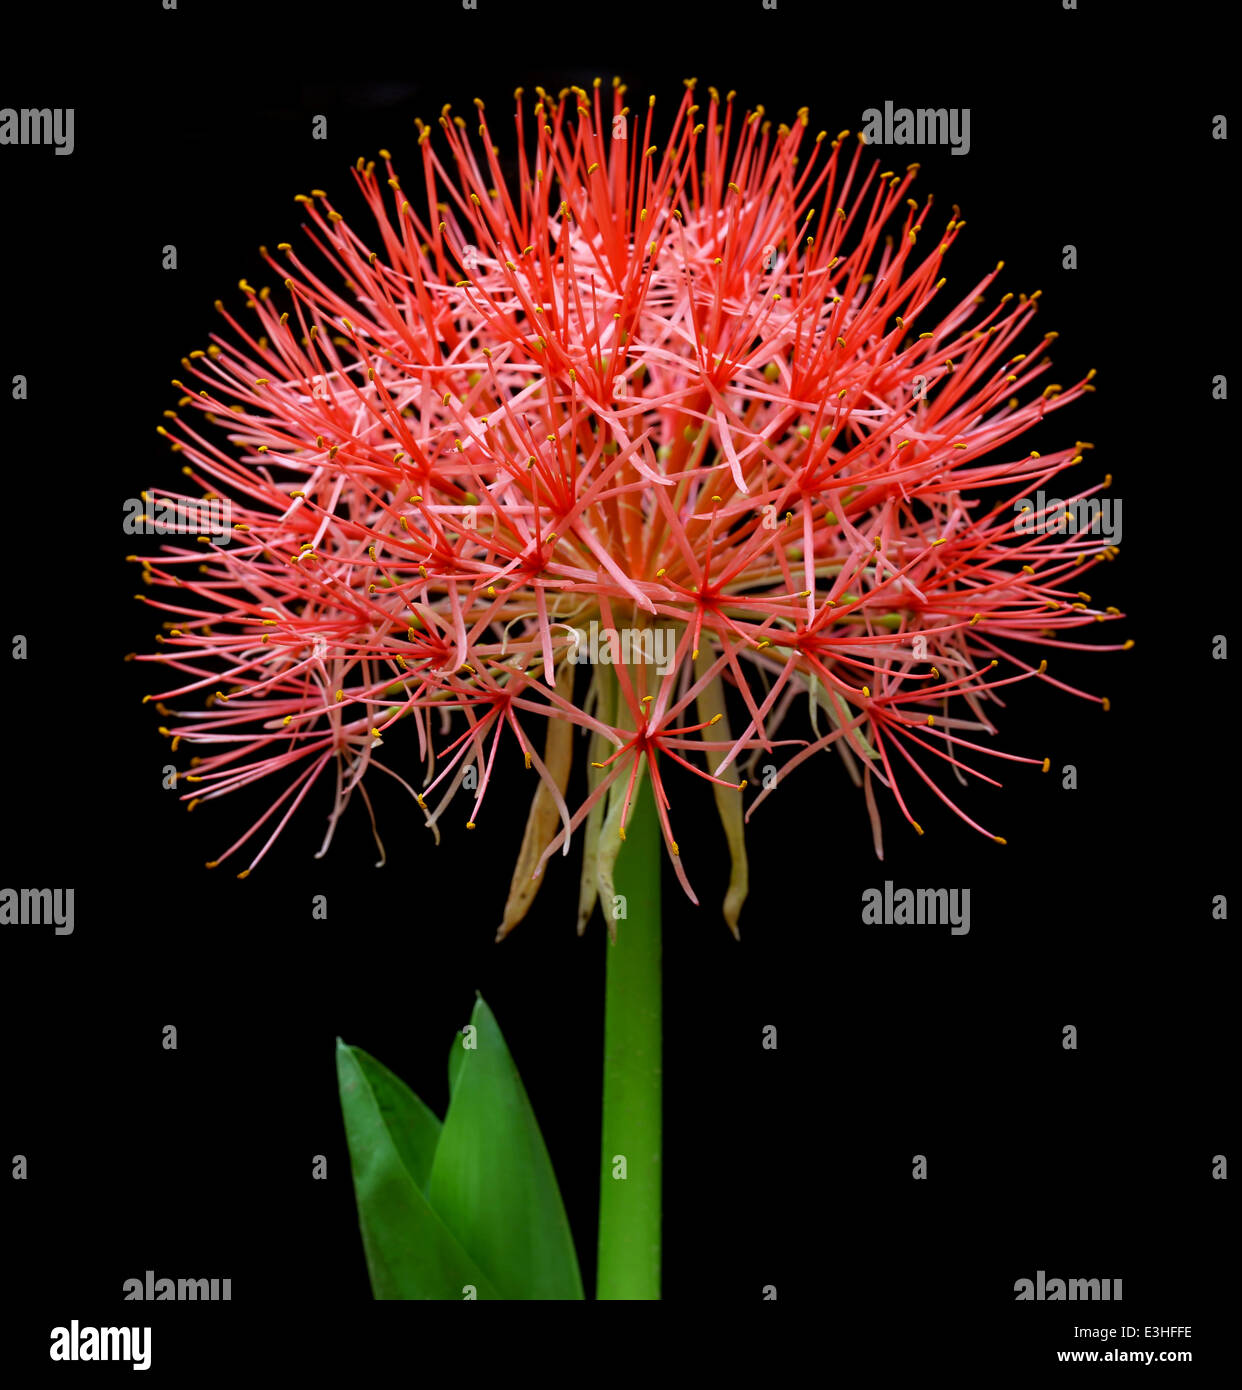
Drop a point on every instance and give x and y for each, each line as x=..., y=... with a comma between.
x=710, y=394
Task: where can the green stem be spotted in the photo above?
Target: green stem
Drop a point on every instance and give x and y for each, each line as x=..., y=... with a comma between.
x=629, y=1206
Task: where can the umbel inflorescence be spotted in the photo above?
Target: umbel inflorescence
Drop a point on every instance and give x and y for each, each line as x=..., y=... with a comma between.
x=712, y=392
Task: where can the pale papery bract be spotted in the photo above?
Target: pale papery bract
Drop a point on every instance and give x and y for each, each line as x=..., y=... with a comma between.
x=703, y=388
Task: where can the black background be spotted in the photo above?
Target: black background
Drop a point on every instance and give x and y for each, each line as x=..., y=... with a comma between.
x=789, y=1168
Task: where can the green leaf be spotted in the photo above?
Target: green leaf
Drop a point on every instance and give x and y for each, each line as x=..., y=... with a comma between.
x=492, y=1180
x=410, y=1252
x=413, y=1128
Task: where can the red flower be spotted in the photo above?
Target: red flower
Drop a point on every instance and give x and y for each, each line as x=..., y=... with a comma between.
x=711, y=396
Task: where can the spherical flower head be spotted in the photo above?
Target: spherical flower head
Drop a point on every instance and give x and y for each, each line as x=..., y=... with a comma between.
x=699, y=416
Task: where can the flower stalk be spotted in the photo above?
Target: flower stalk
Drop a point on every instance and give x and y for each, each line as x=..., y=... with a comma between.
x=630, y=1170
